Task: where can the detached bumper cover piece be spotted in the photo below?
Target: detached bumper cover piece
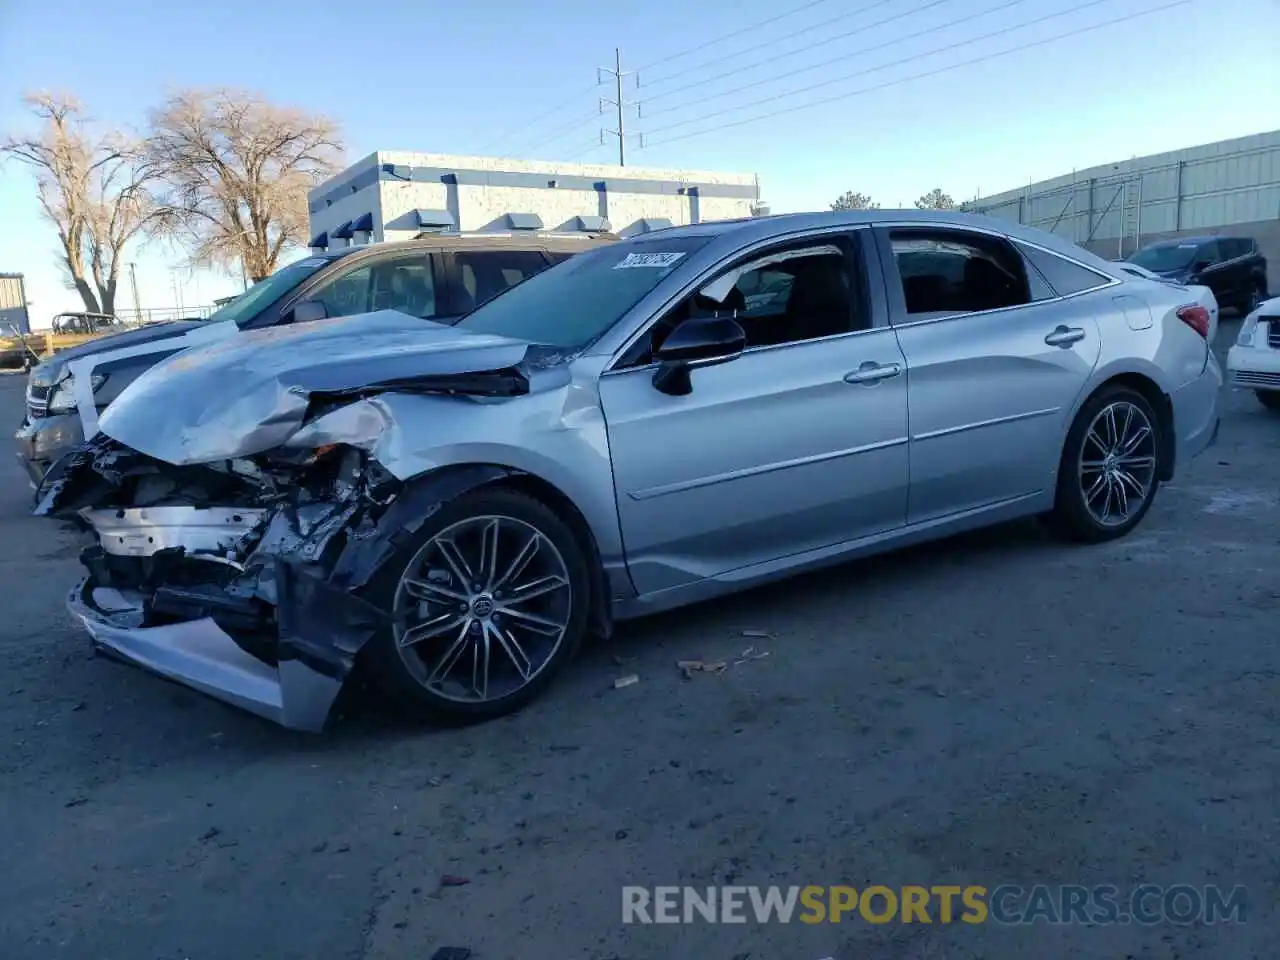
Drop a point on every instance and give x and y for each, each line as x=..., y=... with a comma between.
x=202, y=656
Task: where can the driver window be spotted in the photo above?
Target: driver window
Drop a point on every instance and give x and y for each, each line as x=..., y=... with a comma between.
x=787, y=296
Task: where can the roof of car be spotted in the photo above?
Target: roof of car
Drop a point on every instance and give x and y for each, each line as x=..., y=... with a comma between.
x=480, y=241
x=1188, y=241
x=751, y=229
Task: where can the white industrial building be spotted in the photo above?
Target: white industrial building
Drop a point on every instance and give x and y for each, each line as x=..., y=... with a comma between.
x=1232, y=186
x=397, y=196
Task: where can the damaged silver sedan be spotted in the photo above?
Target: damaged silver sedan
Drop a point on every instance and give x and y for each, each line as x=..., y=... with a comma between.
x=449, y=511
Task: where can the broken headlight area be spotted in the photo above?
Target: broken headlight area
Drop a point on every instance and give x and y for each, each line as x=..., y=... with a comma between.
x=266, y=552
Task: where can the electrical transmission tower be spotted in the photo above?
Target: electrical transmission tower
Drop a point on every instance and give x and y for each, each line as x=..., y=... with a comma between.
x=620, y=105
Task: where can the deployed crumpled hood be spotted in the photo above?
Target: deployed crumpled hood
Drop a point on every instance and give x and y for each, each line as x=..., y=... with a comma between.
x=250, y=392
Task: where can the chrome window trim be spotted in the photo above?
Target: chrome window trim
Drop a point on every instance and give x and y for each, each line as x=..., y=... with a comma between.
x=688, y=288
x=936, y=225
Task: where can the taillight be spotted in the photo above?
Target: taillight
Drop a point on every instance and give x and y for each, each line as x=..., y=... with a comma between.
x=1196, y=317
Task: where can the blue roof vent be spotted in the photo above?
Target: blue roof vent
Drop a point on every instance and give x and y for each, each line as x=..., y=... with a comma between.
x=593, y=224
x=320, y=241
x=435, y=220
x=649, y=224
x=343, y=232
x=524, y=221
x=364, y=222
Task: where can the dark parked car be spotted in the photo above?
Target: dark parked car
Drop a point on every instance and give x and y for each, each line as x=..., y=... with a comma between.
x=442, y=278
x=1232, y=267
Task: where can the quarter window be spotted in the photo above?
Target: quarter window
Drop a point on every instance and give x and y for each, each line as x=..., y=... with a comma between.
x=944, y=272
x=1065, y=277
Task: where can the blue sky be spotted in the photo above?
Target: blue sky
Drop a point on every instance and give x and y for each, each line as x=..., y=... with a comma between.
x=471, y=79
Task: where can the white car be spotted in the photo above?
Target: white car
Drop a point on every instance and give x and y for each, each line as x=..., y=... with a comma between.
x=1254, y=362
x=1203, y=295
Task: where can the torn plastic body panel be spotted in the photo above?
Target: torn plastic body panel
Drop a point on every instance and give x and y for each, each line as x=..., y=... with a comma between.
x=241, y=497
x=258, y=602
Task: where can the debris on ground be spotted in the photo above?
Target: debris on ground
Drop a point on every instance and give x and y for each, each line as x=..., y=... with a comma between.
x=452, y=953
x=626, y=681
x=690, y=667
x=76, y=801
x=623, y=661
x=757, y=634
x=452, y=880
x=209, y=834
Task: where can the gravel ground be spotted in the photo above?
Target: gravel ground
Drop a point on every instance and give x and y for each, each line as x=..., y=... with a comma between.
x=995, y=709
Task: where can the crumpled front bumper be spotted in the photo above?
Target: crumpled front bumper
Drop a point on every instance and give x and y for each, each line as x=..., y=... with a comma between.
x=200, y=655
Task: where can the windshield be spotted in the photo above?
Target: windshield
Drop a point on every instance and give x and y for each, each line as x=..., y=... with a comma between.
x=1172, y=256
x=574, y=303
x=262, y=295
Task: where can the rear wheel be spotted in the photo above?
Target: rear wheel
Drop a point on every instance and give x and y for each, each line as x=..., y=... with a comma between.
x=489, y=600
x=1268, y=398
x=1108, y=476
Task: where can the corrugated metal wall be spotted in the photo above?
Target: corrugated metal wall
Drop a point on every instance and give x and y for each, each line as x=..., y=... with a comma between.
x=1115, y=208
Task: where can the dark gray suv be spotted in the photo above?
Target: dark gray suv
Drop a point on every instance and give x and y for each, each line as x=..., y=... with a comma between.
x=441, y=277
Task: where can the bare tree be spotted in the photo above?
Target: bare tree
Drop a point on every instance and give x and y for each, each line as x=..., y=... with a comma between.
x=237, y=171
x=93, y=187
x=854, y=201
x=935, y=199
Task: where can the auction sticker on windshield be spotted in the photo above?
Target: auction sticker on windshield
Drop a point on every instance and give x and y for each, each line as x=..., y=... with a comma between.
x=651, y=260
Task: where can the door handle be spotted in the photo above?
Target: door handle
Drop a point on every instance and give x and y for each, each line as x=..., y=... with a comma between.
x=872, y=372
x=1064, y=336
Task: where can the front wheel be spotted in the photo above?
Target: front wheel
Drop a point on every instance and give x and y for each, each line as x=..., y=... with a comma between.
x=1108, y=475
x=488, y=601
x=1268, y=398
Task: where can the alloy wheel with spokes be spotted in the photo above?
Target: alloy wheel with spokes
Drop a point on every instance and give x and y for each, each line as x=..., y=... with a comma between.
x=1117, y=464
x=482, y=608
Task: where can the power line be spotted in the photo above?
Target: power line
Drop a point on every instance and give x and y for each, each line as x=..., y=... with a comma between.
x=736, y=33
x=893, y=63
x=769, y=43
x=557, y=132
x=540, y=118
x=832, y=39
x=916, y=76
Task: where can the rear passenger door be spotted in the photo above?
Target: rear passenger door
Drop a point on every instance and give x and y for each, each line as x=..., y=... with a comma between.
x=477, y=276
x=996, y=356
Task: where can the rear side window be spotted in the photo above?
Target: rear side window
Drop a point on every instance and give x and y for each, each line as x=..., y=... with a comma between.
x=951, y=272
x=485, y=274
x=1066, y=278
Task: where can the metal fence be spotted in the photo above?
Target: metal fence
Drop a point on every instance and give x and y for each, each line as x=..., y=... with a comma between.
x=1121, y=208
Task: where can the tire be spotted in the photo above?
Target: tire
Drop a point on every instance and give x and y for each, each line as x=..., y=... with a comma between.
x=1268, y=398
x=1076, y=516
x=403, y=676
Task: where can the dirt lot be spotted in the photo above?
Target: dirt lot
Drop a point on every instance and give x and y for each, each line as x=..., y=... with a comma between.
x=998, y=709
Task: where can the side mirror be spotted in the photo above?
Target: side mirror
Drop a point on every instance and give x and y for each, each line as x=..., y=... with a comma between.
x=700, y=342
x=306, y=311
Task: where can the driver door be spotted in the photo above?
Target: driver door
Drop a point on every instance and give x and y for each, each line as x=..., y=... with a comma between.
x=793, y=447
